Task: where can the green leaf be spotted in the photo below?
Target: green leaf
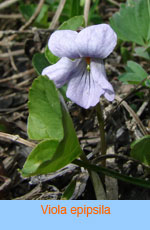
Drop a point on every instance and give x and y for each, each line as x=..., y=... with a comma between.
x=125, y=54
x=3, y=127
x=75, y=7
x=140, y=150
x=50, y=1
x=27, y=10
x=132, y=22
x=71, y=8
x=42, y=153
x=45, y=116
x=39, y=62
x=68, y=149
x=142, y=52
x=69, y=191
x=134, y=73
x=50, y=57
x=94, y=14
x=72, y=24
x=63, y=91
x=136, y=68
x=51, y=155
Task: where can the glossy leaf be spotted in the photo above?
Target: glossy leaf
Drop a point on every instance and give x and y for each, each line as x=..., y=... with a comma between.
x=45, y=116
x=140, y=150
x=132, y=22
x=39, y=62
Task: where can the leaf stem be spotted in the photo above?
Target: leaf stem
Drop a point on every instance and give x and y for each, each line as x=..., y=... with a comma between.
x=114, y=174
x=96, y=181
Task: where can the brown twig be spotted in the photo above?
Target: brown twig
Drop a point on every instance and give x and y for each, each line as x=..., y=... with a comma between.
x=7, y=4
x=6, y=182
x=86, y=11
x=31, y=31
x=142, y=108
x=12, y=53
x=34, y=16
x=31, y=20
x=33, y=193
x=11, y=16
x=132, y=92
x=10, y=110
x=57, y=14
x=137, y=87
x=18, y=139
x=12, y=59
x=114, y=3
x=133, y=114
x=16, y=76
x=23, y=83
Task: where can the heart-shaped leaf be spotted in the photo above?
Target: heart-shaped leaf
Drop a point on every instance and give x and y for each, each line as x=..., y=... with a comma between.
x=45, y=116
x=50, y=155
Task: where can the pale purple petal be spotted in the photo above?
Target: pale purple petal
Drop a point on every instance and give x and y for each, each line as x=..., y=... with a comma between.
x=99, y=76
x=96, y=41
x=62, y=44
x=83, y=89
x=61, y=72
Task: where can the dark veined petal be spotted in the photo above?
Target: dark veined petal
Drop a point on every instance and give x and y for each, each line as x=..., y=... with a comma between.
x=83, y=89
x=62, y=44
x=96, y=41
x=62, y=71
x=98, y=74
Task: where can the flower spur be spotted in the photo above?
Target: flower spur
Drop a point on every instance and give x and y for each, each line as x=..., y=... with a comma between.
x=85, y=75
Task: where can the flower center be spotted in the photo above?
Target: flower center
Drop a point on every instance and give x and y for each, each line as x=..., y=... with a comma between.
x=87, y=59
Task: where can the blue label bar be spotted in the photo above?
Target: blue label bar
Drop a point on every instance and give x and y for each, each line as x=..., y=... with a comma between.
x=118, y=215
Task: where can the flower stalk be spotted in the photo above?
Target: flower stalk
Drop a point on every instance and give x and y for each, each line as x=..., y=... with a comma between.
x=102, y=130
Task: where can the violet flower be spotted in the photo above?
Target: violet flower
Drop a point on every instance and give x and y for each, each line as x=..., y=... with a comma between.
x=85, y=75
